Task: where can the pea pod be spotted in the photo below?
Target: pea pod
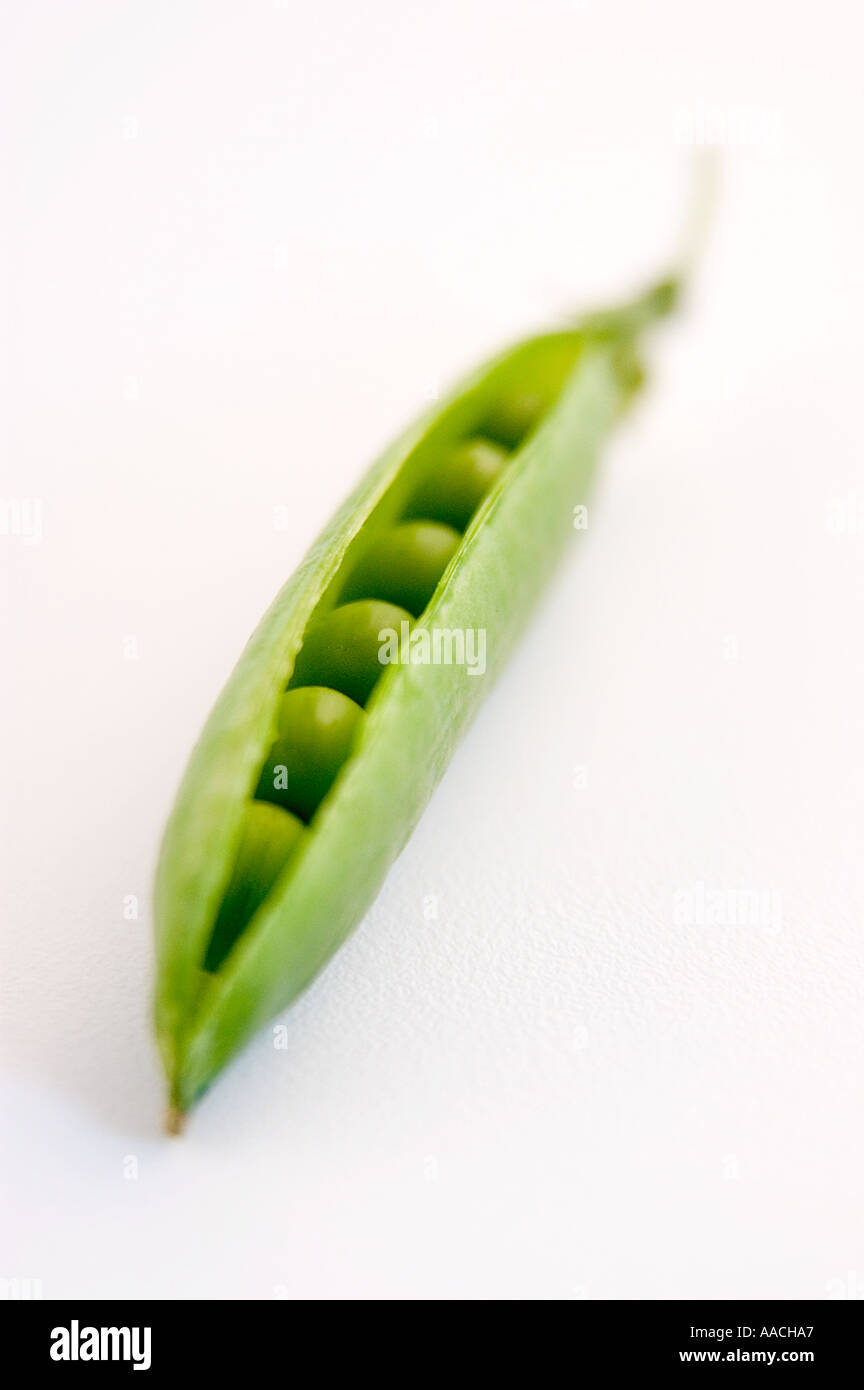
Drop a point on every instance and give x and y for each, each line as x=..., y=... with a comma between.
x=454, y=530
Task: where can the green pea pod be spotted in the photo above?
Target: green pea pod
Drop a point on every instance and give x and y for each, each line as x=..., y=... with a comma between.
x=506, y=458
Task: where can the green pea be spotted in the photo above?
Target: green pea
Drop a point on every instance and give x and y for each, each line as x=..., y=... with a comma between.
x=458, y=482
x=268, y=839
x=404, y=565
x=342, y=649
x=514, y=416
x=316, y=730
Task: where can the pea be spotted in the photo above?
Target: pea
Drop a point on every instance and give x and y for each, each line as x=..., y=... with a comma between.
x=342, y=649
x=458, y=482
x=403, y=566
x=268, y=839
x=316, y=729
x=514, y=416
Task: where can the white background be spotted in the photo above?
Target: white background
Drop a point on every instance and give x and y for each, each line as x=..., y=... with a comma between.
x=243, y=244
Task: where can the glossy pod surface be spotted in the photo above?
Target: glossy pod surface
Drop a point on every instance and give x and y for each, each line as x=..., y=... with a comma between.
x=455, y=529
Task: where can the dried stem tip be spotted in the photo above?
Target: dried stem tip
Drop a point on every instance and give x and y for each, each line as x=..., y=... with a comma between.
x=175, y=1120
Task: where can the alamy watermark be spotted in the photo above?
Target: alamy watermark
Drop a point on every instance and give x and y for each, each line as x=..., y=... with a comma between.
x=844, y=514
x=850, y=1287
x=22, y=517
x=20, y=1290
x=699, y=905
x=77, y=1343
x=738, y=127
x=434, y=646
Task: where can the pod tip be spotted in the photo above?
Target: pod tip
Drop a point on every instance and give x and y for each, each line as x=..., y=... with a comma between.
x=175, y=1120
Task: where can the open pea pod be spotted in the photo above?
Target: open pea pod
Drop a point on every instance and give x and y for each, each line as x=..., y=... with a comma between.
x=348, y=701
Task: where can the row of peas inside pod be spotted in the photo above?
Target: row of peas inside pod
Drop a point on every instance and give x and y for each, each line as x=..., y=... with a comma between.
x=338, y=665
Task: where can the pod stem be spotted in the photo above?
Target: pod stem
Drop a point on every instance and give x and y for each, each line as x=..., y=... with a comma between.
x=175, y=1120
x=628, y=321
x=704, y=184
